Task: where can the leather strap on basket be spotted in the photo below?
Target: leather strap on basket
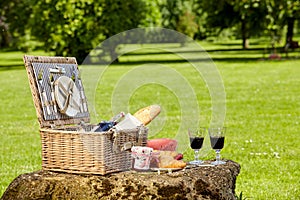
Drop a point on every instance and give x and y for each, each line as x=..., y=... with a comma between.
x=140, y=136
x=115, y=146
x=127, y=145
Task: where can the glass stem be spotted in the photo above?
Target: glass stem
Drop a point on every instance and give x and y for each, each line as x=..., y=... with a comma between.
x=218, y=155
x=197, y=154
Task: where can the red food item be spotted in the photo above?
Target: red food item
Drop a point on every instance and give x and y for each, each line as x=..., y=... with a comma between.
x=179, y=156
x=164, y=144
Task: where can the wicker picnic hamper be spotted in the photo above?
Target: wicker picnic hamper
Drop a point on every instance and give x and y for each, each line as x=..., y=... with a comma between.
x=68, y=144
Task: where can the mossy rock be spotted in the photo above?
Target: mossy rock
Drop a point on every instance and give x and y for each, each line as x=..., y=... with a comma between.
x=211, y=182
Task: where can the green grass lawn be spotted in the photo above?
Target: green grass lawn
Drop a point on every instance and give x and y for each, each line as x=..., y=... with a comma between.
x=262, y=113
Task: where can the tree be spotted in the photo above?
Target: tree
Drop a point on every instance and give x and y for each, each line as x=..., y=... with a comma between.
x=251, y=16
x=247, y=15
x=13, y=16
x=179, y=15
x=67, y=27
x=290, y=13
x=74, y=28
x=282, y=14
x=4, y=34
x=119, y=16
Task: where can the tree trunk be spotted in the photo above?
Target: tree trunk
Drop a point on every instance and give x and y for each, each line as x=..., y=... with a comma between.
x=4, y=36
x=245, y=43
x=290, y=29
x=245, y=35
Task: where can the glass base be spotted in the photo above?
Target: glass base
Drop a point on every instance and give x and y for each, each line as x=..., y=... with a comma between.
x=218, y=162
x=196, y=162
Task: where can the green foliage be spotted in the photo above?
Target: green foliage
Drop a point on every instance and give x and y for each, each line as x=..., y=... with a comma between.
x=282, y=13
x=179, y=15
x=13, y=18
x=153, y=16
x=73, y=28
x=187, y=24
x=67, y=27
x=247, y=16
x=119, y=16
x=17, y=13
x=240, y=197
x=252, y=13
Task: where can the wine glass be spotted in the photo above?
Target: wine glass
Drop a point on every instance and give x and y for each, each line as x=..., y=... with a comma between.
x=217, y=137
x=196, y=141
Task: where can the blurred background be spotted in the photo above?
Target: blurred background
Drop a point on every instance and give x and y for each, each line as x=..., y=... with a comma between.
x=74, y=28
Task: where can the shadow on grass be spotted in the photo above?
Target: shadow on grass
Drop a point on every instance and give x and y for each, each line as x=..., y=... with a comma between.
x=174, y=50
x=162, y=61
x=11, y=63
x=231, y=55
x=259, y=51
x=11, y=67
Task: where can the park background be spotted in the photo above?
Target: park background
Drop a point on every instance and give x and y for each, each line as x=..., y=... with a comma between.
x=253, y=43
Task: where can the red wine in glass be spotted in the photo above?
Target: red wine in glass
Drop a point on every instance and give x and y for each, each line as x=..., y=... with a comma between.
x=217, y=142
x=196, y=142
x=217, y=138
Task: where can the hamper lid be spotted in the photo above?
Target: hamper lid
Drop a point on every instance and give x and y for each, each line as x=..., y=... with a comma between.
x=67, y=96
x=57, y=90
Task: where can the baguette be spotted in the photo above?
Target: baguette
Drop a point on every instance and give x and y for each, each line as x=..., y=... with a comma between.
x=147, y=114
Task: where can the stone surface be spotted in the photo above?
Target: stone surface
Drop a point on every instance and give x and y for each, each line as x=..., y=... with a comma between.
x=211, y=182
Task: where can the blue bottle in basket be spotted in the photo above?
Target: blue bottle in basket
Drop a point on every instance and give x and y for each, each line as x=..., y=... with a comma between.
x=106, y=125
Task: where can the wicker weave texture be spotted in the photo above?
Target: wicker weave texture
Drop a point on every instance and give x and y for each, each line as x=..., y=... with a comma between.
x=68, y=145
x=88, y=152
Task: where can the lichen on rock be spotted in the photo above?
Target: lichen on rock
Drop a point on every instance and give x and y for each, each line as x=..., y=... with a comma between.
x=209, y=182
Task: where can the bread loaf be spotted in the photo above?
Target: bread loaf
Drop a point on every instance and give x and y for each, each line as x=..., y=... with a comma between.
x=167, y=159
x=172, y=154
x=170, y=162
x=147, y=114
